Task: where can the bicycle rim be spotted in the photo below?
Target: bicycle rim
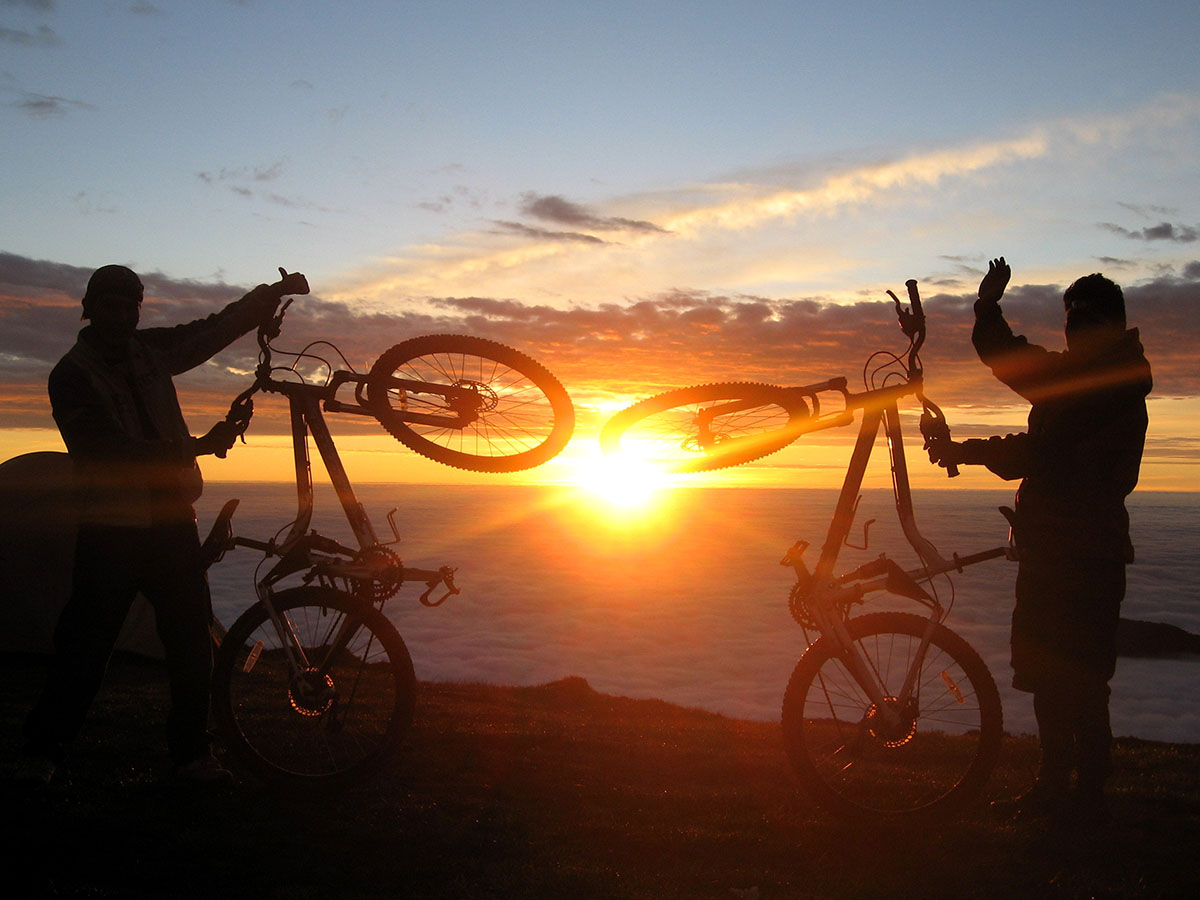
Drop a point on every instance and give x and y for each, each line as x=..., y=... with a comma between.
x=670, y=429
x=520, y=415
x=937, y=752
x=338, y=721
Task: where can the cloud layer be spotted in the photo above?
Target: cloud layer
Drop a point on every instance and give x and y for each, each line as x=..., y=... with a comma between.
x=604, y=353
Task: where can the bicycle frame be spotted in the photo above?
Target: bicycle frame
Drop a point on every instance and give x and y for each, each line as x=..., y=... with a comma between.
x=866, y=685
x=464, y=401
x=826, y=599
x=307, y=403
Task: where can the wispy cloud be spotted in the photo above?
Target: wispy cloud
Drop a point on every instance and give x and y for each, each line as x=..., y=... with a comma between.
x=546, y=234
x=1163, y=231
x=556, y=209
x=240, y=174
x=785, y=223
x=42, y=36
x=749, y=207
x=43, y=106
x=248, y=181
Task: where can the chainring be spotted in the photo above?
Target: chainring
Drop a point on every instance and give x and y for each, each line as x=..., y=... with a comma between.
x=387, y=574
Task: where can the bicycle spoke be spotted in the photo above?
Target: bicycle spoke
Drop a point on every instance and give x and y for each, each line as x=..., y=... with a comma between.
x=903, y=754
x=341, y=716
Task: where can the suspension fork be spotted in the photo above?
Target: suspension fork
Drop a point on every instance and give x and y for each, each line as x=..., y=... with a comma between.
x=293, y=647
x=833, y=626
x=289, y=641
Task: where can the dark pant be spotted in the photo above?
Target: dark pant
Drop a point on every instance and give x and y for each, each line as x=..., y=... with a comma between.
x=1074, y=732
x=111, y=566
x=1064, y=651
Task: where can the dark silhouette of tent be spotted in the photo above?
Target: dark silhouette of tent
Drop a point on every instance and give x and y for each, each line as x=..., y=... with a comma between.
x=37, y=544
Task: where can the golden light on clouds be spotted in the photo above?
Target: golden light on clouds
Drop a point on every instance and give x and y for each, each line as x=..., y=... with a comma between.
x=855, y=186
x=494, y=262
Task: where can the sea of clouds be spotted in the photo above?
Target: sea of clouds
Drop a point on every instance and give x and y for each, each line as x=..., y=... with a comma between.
x=685, y=599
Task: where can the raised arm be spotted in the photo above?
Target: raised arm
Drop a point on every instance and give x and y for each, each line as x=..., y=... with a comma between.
x=1024, y=367
x=189, y=345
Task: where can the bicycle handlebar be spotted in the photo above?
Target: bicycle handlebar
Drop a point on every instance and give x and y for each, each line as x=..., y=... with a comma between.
x=241, y=410
x=914, y=297
x=912, y=323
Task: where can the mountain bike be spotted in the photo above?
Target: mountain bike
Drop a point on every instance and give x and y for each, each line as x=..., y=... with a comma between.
x=313, y=685
x=889, y=713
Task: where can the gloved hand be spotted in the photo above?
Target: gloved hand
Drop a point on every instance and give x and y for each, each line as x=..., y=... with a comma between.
x=291, y=283
x=944, y=452
x=219, y=438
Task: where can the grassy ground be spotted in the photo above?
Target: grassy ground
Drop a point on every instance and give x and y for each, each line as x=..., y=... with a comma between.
x=557, y=792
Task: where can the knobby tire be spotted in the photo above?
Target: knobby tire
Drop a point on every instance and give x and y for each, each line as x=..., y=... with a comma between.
x=524, y=415
x=664, y=429
x=289, y=734
x=938, y=758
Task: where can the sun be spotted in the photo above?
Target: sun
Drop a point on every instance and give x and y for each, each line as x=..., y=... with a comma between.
x=621, y=481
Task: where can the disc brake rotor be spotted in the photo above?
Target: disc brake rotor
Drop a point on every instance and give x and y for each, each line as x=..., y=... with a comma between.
x=309, y=697
x=483, y=398
x=896, y=734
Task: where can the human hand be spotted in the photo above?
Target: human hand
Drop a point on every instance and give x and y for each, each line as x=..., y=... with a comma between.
x=291, y=283
x=219, y=438
x=944, y=452
x=991, y=288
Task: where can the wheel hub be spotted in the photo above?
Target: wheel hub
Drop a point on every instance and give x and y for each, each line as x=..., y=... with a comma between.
x=310, y=695
x=482, y=399
x=896, y=733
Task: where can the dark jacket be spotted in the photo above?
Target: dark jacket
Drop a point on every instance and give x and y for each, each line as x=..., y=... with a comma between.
x=121, y=422
x=1087, y=428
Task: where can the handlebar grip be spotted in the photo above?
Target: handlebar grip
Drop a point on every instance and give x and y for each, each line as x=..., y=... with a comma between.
x=913, y=296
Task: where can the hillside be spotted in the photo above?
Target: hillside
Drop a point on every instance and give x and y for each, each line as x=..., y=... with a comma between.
x=557, y=792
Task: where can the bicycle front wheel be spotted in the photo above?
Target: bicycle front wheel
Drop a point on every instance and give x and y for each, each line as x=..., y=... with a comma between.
x=710, y=426
x=470, y=403
x=340, y=715
x=935, y=753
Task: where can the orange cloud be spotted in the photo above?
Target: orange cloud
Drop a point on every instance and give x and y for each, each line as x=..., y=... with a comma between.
x=608, y=354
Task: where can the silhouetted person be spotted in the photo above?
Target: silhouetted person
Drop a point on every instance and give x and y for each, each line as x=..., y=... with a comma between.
x=135, y=463
x=1077, y=463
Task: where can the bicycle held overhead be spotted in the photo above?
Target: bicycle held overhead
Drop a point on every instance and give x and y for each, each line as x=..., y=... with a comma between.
x=312, y=684
x=888, y=713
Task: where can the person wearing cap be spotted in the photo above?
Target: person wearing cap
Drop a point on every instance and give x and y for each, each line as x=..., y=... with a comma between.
x=1077, y=462
x=116, y=408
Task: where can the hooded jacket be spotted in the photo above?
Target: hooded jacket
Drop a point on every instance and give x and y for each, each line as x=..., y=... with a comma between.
x=120, y=418
x=1080, y=457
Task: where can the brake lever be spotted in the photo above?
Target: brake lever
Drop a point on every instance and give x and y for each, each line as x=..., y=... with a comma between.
x=934, y=428
x=912, y=321
x=241, y=411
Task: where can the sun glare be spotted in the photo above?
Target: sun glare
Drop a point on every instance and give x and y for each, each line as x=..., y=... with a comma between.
x=623, y=482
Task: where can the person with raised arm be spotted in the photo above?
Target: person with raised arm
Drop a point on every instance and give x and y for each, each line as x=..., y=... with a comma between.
x=1077, y=462
x=116, y=408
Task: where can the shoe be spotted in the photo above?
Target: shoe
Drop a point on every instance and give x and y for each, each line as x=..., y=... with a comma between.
x=35, y=771
x=206, y=770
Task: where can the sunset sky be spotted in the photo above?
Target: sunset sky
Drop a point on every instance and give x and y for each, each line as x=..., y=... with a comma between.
x=639, y=195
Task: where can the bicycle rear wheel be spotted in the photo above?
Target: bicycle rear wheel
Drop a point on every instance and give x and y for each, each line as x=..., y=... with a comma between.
x=936, y=757
x=508, y=412
x=709, y=426
x=341, y=719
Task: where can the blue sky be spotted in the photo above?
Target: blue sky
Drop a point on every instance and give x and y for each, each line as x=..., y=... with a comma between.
x=216, y=137
x=599, y=155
